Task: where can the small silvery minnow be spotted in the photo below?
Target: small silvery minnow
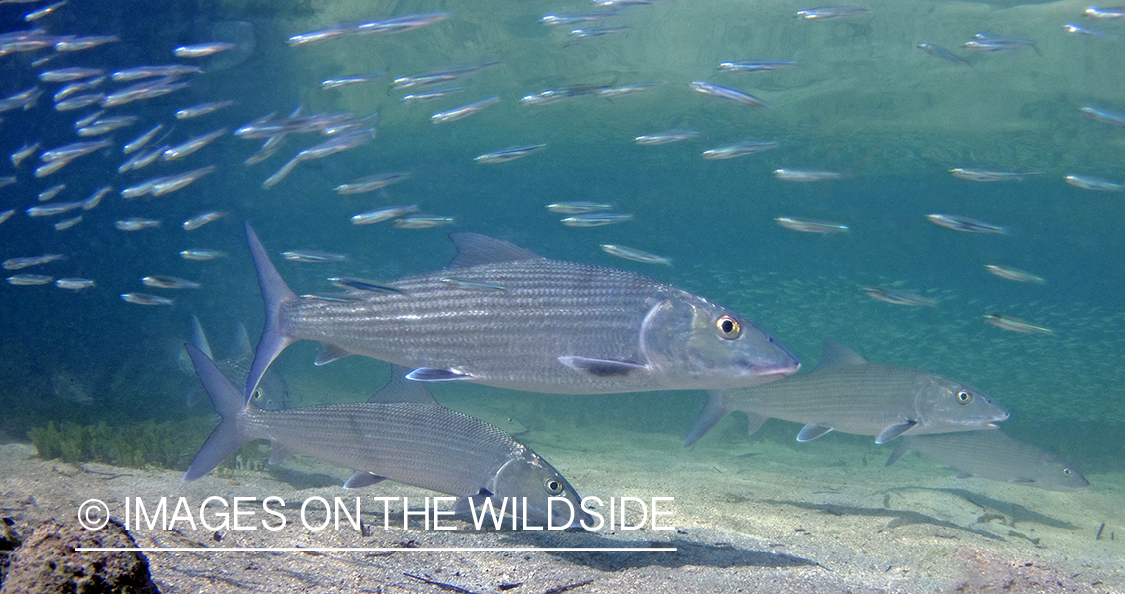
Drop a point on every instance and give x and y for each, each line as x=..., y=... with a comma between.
x=202, y=219
x=68, y=223
x=463, y=111
x=202, y=254
x=18, y=263
x=200, y=50
x=510, y=154
x=995, y=456
x=312, y=256
x=849, y=394
x=1093, y=183
x=383, y=214
x=806, y=175
x=27, y=280
x=746, y=147
x=136, y=224
x=24, y=152
x=596, y=219
x=754, y=65
x=142, y=140
x=401, y=434
x=960, y=223
x=557, y=327
x=77, y=87
x=439, y=76
x=1014, y=274
x=664, y=137
x=355, y=79
x=74, y=283
x=146, y=299
x=898, y=297
x=1015, y=324
x=191, y=145
x=634, y=254
x=983, y=175
x=106, y=125
x=941, y=53
x=578, y=207
x=1077, y=30
x=169, y=282
x=811, y=226
x=51, y=192
x=737, y=96
x=7, y=214
x=69, y=74
x=1105, y=13
x=1103, y=116
x=825, y=13
x=140, y=72
x=202, y=109
x=42, y=12
x=372, y=182
x=422, y=221
x=428, y=96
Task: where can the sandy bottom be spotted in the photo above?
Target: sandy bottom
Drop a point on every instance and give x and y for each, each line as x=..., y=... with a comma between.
x=748, y=517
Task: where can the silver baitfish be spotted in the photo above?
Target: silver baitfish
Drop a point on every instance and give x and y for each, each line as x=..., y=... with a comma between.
x=634, y=254
x=557, y=327
x=272, y=392
x=510, y=154
x=737, y=96
x=1014, y=274
x=811, y=226
x=747, y=147
x=1015, y=324
x=995, y=456
x=664, y=137
x=960, y=223
x=846, y=393
x=401, y=434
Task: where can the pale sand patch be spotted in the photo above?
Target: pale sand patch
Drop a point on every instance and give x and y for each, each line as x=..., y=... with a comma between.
x=752, y=516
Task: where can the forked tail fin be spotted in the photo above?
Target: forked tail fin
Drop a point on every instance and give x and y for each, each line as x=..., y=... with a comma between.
x=275, y=294
x=226, y=438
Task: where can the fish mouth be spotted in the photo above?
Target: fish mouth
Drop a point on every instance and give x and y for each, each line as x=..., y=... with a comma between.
x=777, y=370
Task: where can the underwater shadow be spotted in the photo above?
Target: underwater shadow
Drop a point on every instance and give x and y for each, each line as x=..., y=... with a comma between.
x=1013, y=512
x=686, y=553
x=900, y=517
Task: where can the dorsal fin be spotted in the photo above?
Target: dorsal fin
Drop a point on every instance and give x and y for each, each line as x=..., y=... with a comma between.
x=474, y=249
x=199, y=338
x=242, y=347
x=837, y=355
x=400, y=389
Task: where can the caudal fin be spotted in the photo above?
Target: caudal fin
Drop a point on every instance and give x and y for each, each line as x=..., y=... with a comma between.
x=275, y=294
x=712, y=412
x=226, y=438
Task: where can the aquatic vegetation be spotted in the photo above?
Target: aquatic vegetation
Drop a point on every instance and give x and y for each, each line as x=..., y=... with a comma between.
x=147, y=444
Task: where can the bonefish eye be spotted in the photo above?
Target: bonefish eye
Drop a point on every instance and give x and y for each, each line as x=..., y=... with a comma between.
x=553, y=486
x=1066, y=471
x=728, y=327
x=964, y=397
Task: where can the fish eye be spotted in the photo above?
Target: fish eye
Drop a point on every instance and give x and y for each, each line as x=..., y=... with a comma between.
x=964, y=397
x=728, y=327
x=1066, y=471
x=553, y=486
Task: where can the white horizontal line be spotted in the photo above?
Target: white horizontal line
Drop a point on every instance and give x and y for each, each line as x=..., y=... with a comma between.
x=370, y=550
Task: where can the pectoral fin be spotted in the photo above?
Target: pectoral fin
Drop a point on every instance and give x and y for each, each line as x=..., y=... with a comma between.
x=894, y=431
x=602, y=367
x=811, y=432
x=362, y=479
x=330, y=353
x=713, y=411
x=468, y=502
x=429, y=374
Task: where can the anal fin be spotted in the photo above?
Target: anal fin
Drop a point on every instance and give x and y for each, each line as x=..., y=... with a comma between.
x=330, y=353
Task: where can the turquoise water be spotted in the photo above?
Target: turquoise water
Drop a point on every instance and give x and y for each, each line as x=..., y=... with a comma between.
x=861, y=100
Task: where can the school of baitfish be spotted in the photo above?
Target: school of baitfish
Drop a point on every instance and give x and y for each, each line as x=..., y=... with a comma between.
x=498, y=315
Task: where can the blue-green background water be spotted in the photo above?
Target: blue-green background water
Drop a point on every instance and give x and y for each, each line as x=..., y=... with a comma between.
x=862, y=99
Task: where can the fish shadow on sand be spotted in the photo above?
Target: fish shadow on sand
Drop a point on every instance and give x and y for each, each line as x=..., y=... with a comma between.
x=899, y=517
x=302, y=480
x=1013, y=512
x=686, y=553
